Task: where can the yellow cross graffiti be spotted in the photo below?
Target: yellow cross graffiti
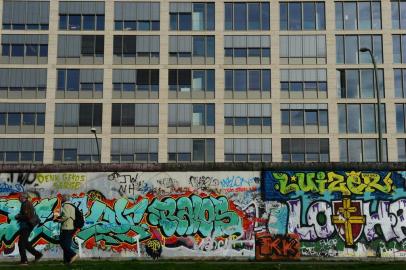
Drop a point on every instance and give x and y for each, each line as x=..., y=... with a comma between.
x=346, y=219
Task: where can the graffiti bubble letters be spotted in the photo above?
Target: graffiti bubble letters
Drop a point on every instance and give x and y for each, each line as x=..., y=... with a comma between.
x=277, y=247
x=194, y=215
x=356, y=183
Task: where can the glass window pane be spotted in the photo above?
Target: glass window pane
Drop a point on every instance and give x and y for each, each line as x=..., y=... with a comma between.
x=354, y=150
x=198, y=150
x=367, y=83
x=17, y=50
x=283, y=13
x=368, y=118
x=254, y=16
x=309, y=18
x=74, y=22
x=350, y=15
x=14, y=119
x=364, y=10
x=351, y=49
x=295, y=16
x=88, y=22
x=353, y=118
x=240, y=16
x=73, y=80
x=370, y=150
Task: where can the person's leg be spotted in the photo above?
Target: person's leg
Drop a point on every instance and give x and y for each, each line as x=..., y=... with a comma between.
x=22, y=244
x=66, y=242
x=31, y=248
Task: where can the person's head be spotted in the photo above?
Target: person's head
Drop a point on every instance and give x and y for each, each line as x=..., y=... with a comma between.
x=23, y=197
x=65, y=198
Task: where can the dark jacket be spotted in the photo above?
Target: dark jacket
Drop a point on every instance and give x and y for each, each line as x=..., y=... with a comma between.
x=26, y=215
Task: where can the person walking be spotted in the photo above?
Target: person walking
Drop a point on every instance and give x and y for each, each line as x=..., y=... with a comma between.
x=27, y=220
x=67, y=230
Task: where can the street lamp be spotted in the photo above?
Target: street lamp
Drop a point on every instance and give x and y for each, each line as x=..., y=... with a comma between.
x=93, y=130
x=378, y=100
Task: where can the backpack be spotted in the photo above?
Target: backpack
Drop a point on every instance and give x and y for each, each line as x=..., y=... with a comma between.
x=79, y=220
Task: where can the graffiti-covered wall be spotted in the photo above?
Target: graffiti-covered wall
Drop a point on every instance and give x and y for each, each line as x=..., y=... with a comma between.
x=336, y=214
x=174, y=214
x=270, y=215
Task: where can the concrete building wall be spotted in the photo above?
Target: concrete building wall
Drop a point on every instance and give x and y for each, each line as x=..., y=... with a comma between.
x=219, y=100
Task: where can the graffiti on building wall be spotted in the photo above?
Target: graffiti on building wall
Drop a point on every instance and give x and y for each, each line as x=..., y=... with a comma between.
x=131, y=214
x=276, y=215
x=347, y=213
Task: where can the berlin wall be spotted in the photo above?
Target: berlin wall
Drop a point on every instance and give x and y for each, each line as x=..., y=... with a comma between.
x=250, y=215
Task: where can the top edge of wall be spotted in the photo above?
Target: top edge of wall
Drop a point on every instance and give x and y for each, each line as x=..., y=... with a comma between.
x=108, y=167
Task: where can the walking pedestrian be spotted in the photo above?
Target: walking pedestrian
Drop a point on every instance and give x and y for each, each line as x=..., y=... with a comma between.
x=67, y=219
x=27, y=220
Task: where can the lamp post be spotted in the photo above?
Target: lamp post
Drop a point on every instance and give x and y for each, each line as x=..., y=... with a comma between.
x=93, y=130
x=378, y=100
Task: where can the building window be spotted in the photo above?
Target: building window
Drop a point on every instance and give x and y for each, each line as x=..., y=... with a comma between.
x=191, y=16
x=136, y=50
x=401, y=118
x=305, y=150
x=398, y=14
x=78, y=118
x=80, y=49
x=247, y=118
x=23, y=83
x=303, y=83
x=80, y=15
x=359, y=83
x=361, y=150
x=184, y=50
x=401, y=150
x=399, y=49
x=347, y=49
x=24, y=49
x=22, y=117
x=191, y=118
x=304, y=118
x=134, y=118
x=246, y=16
x=247, y=83
x=400, y=83
x=247, y=150
x=191, y=83
x=302, y=49
x=302, y=16
x=132, y=83
x=134, y=150
x=360, y=118
x=25, y=15
x=22, y=151
x=247, y=50
x=140, y=16
x=190, y=150
x=362, y=15
x=79, y=83
x=76, y=150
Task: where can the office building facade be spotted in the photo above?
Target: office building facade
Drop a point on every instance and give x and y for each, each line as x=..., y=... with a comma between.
x=201, y=81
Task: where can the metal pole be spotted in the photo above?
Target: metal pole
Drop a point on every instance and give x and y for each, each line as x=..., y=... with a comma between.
x=93, y=130
x=378, y=99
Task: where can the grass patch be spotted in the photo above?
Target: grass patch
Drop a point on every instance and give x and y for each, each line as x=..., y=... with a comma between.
x=190, y=265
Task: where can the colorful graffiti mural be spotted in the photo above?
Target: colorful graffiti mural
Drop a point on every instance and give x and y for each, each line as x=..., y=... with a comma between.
x=348, y=214
x=137, y=214
x=273, y=215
